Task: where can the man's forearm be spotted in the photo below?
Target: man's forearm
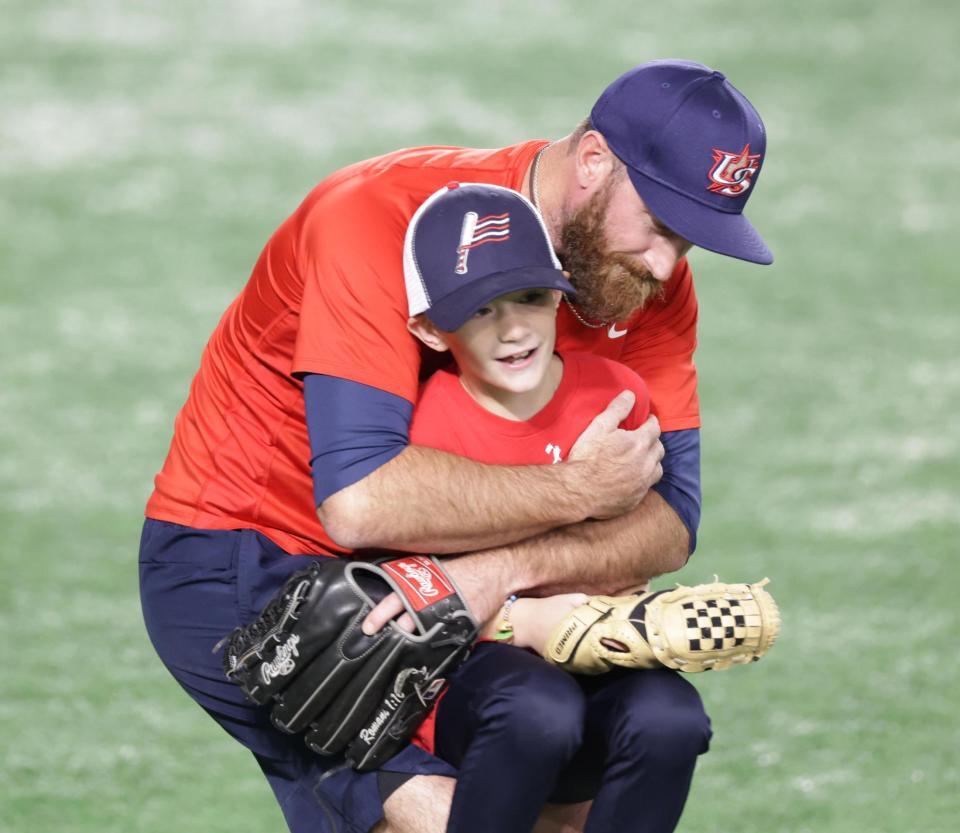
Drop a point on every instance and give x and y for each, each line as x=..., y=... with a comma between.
x=592, y=557
x=605, y=556
x=426, y=500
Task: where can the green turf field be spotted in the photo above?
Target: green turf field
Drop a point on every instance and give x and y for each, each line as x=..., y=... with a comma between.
x=148, y=149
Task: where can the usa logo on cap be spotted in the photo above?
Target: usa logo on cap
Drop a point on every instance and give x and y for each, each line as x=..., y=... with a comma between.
x=732, y=171
x=494, y=228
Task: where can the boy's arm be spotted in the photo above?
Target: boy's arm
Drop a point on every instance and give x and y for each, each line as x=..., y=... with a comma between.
x=533, y=620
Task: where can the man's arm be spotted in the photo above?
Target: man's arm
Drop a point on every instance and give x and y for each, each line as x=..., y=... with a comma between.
x=611, y=557
x=372, y=494
x=591, y=557
x=600, y=556
x=425, y=500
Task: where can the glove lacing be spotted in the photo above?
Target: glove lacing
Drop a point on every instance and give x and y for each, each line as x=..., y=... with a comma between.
x=248, y=640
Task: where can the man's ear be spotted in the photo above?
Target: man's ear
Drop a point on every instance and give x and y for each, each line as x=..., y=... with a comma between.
x=594, y=161
x=557, y=295
x=423, y=329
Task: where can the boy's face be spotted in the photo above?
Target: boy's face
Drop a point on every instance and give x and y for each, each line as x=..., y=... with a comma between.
x=508, y=344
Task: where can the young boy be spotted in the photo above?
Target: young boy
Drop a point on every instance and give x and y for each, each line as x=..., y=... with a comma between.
x=509, y=399
x=484, y=283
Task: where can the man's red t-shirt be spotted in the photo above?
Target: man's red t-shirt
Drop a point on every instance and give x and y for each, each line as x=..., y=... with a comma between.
x=327, y=296
x=447, y=418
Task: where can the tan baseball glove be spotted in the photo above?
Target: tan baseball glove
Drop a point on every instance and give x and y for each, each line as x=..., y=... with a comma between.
x=702, y=628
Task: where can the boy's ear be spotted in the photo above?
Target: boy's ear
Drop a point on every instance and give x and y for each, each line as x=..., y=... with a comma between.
x=424, y=330
x=557, y=296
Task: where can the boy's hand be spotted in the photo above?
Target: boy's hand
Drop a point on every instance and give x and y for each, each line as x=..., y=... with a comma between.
x=613, y=468
x=707, y=627
x=534, y=620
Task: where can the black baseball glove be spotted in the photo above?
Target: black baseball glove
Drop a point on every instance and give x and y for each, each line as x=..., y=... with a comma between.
x=364, y=695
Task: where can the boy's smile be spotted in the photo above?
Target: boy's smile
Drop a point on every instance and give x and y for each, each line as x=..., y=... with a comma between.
x=504, y=352
x=519, y=361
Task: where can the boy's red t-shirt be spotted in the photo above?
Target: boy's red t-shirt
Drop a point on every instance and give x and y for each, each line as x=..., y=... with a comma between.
x=447, y=418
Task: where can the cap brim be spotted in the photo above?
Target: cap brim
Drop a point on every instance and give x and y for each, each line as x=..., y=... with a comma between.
x=725, y=233
x=456, y=309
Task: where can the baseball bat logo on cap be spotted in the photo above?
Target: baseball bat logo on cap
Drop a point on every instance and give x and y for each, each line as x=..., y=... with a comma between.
x=494, y=228
x=732, y=171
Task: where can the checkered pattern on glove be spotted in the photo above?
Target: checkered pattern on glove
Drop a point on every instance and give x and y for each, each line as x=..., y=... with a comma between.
x=706, y=627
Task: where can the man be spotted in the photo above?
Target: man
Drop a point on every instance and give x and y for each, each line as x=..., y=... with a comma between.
x=312, y=367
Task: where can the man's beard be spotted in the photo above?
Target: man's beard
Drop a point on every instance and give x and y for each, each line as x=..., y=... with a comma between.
x=610, y=286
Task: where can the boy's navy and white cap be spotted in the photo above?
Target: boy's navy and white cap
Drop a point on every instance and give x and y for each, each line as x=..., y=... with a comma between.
x=470, y=243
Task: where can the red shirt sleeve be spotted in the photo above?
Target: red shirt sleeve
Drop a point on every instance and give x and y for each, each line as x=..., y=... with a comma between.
x=354, y=311
x=641, y=408
x=660, y=345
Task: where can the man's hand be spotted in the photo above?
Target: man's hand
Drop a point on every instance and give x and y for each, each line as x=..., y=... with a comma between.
x=614, y=468
x=480, y=583
x=361, y=695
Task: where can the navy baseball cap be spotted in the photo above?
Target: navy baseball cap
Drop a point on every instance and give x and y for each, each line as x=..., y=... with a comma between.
x=693, y=146
x=470, y=243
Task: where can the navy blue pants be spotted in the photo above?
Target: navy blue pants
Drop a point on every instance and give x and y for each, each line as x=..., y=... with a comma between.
x=521, y=731
x=195, y=587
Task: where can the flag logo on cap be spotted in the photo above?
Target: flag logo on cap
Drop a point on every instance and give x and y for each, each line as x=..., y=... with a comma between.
x=732, y=171
x=494, y=228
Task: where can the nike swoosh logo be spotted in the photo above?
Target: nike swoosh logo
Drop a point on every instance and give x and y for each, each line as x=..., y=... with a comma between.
x=613, y=332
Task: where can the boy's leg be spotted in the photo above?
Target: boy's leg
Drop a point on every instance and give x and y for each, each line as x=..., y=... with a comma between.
x=644, y=732
x=511, y=723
